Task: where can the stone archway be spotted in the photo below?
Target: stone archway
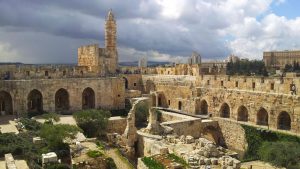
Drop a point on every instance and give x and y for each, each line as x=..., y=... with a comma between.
x=242, y=114
x=6, y=106
x=62, y=103
x=214, y=134
x=88, y=98
x=150, y=86
x=262, y=117
x=225, y=111
x=35, y=101
x=203, y=107
x=284, y=121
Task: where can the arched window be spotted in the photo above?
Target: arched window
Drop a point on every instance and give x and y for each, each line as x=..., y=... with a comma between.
x=5, y=103
x=284, y=121
x=242, y=114
x=225, y=111
x=262, y=117
x=179, y=105
x=203, y=107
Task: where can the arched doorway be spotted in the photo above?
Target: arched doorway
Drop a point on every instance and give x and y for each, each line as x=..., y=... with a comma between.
x=284, y=121
x=6, y=106
x=126, y=82
x=225, y=111
x=88, y=98
x=203, y=107
x=35, y=102
x=150, y=86
x=242, y=114
x=262, y=117
x=62, y=100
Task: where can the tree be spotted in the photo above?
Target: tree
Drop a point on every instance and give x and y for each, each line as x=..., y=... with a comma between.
x=92, y=122
x=55, y=134
x=282, y=154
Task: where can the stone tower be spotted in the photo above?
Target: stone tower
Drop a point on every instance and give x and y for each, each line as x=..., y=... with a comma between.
x=111, y=42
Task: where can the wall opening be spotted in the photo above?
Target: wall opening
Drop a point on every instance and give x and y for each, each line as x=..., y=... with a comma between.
x=284, y=121
x=203, y=107
x=179, y=105
x=126, y=82
x=262, y=117
x=242, y=114
x=6, y=106
x=88, y=98
x=62, y=101
x=35, y=102
x=225, y=111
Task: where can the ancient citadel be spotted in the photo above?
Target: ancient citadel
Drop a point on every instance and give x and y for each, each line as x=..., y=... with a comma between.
x=194, y=100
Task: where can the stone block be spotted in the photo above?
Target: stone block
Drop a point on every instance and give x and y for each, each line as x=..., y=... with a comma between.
x=49, y=157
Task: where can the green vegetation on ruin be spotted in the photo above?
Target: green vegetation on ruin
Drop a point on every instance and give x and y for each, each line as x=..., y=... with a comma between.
x=270, y=146
x=177, y=159
x=151, y=163
x=92, y=122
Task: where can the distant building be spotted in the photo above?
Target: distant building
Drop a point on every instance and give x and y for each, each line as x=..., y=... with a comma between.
x=195, y=58
x=278, y=59
x=143, y=62
x=233, y=58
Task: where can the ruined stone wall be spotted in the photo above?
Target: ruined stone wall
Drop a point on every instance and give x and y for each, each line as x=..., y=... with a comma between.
x=109, y=92
x=234, y=135
x=116, y=125
x=192, y=127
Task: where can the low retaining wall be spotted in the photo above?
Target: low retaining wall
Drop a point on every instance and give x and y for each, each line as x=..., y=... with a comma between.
x=234, y=135
x=192, y=127
x=116, y=125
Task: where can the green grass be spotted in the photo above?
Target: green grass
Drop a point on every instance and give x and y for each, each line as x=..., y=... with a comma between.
x=94, y=153
x=177, y=159
x=152, y=163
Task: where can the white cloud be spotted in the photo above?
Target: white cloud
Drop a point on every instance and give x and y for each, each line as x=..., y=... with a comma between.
x=7, y=53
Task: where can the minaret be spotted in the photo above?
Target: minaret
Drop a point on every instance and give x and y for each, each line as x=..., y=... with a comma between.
x=110, y=32
x=111, y=42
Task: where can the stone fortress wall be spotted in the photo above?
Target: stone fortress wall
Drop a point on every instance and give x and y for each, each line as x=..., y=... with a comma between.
x=264, y=102
x=61, y=95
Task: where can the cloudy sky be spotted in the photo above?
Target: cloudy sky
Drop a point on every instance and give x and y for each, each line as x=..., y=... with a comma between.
x=40, y=31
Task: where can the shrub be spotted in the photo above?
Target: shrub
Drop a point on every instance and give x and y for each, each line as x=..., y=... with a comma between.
x=111, y=163
x=100, y=145
x=152, y=163
x=94, y=153
x=51, y=117
x=141, y=114
x=256, y=137
x=31, y=124
x=281, y=154
x=92, y=122
x=55, y=134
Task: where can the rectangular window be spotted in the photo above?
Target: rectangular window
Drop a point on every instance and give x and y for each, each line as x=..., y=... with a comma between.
x=46, y=73
x=169, y=102
x=253, y=85
x=222, y=83
x=134, y=84
x=236, y=84
x=272, y=86
x=262, y=80
x=64, y=73
x=27, y=73
x=208, y=82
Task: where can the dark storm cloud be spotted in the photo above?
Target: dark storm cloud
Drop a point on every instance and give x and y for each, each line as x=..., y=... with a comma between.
x=29, y=24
